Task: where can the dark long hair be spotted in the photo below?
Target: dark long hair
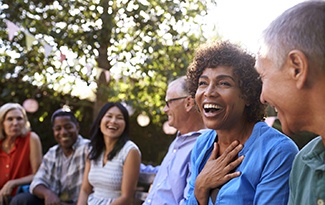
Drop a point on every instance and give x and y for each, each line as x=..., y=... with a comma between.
x=97, y=139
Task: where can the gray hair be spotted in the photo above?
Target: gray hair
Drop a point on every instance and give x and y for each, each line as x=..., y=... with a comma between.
x=301, y=27
x=4, y=109
x=182, y=83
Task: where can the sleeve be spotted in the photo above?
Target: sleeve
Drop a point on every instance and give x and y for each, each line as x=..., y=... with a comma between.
x=149, y=168
x=126, y=149
x=190, y=197
x=187, y=187
x=273, y=188
x=43, y=174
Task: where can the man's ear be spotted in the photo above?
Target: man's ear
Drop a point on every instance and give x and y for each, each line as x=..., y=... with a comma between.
x=190, y=103
x=298, y=65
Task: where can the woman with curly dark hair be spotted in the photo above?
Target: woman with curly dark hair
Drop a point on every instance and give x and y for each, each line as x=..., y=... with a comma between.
x=241, y=160
x=113, y=164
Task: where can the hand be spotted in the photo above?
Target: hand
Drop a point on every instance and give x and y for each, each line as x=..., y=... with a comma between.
x=218, y=170
x=52, y=199
x=7, y=188
x=5, y=192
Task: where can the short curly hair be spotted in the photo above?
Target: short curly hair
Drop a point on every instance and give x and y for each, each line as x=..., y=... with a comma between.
x=224, y=53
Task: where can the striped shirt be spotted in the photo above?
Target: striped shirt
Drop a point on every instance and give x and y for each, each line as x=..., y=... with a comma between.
x=107, y=179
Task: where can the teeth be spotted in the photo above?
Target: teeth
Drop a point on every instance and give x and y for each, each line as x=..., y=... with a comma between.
x=276, y=110
x=112, y=127
x=209, y=106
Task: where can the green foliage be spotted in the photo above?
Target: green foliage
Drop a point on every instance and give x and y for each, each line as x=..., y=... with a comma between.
x=143, y=43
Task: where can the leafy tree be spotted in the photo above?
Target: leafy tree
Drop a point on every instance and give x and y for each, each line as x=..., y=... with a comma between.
x=143, y=44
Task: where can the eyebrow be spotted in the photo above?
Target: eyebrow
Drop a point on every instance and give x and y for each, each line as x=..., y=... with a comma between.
x=219, y=77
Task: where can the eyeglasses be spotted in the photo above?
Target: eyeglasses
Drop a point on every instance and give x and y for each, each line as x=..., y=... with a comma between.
x=174, y=99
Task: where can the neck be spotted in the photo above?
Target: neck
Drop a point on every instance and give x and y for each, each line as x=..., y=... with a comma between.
x=9, y=141
x=67, y=152
x=227, y=136
x=313, y=118
x=8, y=144
x=192, y=124
x=109, y=144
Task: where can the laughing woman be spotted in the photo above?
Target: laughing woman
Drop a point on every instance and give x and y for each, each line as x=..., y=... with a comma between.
x=113, y=164
x=242, y=160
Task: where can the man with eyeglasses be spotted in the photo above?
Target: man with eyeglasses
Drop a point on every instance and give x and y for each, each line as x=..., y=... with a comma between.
x=170, y=183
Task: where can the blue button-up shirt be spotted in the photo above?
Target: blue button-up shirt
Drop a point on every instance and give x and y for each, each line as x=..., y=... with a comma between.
x=170, y=184
x=265, y=170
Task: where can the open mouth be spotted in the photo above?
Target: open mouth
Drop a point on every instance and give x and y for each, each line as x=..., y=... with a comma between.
x=211, y=108
x=112, y=127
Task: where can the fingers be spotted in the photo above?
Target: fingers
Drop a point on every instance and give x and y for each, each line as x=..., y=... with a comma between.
x=230, y=176
x=235, y=163
x=232, y=146
x=214, y=152
x=6, y=200
x=231, y=152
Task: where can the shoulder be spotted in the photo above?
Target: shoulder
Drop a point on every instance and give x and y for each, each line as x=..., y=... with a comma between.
x=314, y=145
x=82, y=140
x=273, y=142
x=34, y=137
x=206, y=138
x=82, y=143
x=129, y=145
x=270, y=135
x=52, y=151
x=317, y=141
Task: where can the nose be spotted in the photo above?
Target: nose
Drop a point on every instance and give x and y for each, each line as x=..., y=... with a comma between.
x=166, y=108
x=63, y=131
x=263, y=101
x=210, y=90
x=113, y=119
x=15, y=121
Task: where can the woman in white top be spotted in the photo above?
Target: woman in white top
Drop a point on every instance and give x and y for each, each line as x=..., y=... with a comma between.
x=112, y=167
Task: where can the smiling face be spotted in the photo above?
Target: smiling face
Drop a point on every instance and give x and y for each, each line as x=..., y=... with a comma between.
x=112, y=124
x=280, y=92
x=218, y=98
x=176, y=110
x=13, y=123
x=65, y=132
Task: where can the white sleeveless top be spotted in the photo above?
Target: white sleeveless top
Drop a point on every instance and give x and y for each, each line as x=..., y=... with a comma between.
x=106, y=180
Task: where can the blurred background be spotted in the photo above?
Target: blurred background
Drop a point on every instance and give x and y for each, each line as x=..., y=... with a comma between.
x=82, y=53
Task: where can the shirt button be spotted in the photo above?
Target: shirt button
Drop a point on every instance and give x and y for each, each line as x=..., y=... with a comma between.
x=320, y=202
x=174, y=150
x=7, y=166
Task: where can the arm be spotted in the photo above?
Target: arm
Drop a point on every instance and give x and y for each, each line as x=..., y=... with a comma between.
x=43, y=180
x=130, y=177
x=35, y=160
x=47, y=194
x=86, y=187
